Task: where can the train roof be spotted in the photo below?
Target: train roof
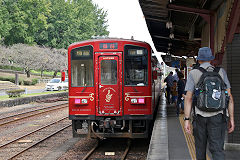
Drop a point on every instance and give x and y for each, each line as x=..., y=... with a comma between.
x=107, y=39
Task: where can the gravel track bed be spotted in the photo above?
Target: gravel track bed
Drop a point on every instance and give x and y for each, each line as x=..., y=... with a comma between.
x=138, y=149
x=79, y=150
x=21, y=117
x=13, y=130
x=39, y=151
x=25, y=142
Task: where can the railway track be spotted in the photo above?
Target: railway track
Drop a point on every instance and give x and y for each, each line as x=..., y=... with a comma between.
x=15, y=147
x=20, y=116
x=99, y=144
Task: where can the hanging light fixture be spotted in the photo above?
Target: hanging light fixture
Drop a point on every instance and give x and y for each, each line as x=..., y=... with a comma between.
x=168, y=24
x=171, y=36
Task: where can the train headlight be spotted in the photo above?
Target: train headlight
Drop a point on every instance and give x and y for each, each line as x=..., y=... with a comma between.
x=134, y=100
x=84, y=101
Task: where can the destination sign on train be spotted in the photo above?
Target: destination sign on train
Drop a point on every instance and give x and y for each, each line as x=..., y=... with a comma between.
x=108, y=46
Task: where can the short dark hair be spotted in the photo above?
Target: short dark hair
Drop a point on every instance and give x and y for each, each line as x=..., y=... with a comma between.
x=175, y=81
x=180, y=75
x=171, y=72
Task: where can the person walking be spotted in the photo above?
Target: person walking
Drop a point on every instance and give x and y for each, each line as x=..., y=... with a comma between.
x=209, y=123
x=174, y=92
x=181, y=92
x=169, y=80
x=175, y=76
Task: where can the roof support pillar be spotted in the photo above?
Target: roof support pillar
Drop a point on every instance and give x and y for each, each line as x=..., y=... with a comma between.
x=232, y=27
x=234, y=18
x=212, y=20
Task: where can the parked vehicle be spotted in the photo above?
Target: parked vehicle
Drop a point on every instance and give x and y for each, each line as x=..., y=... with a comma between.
x=56, y=84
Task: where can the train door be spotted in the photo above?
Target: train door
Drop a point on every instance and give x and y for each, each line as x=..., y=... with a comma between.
x=109, y=85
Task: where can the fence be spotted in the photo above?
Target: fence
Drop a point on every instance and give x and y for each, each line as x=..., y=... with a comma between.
x=43, y=80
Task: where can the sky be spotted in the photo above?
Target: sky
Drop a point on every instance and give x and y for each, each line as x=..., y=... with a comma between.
x=125, y=19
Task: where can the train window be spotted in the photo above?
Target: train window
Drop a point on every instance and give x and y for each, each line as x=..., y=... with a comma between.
x=136, y=66
x=82, y=66
x=108, y=72
x=135, y=52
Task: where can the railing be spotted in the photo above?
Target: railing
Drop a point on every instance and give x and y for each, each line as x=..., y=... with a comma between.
x=43, y=80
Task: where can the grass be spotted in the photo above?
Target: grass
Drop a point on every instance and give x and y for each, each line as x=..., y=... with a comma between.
x=46, y=72
x=5, y=97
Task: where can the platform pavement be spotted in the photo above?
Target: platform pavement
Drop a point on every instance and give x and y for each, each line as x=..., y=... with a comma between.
x=170, y=142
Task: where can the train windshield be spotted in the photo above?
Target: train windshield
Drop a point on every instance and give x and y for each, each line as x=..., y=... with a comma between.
x=82, y=67
x=108, y=72
x=136, y=66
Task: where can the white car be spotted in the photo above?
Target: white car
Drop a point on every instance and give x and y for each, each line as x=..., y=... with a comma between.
x=56, y=84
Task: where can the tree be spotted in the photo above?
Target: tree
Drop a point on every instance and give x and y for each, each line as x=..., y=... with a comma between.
x=59, y=60
x=3, y=56
x=100, y=22
x=25, y=57
x=34, y=57
x=24, y=18
x=53, y=23
x=71, y=21
x=5, y=22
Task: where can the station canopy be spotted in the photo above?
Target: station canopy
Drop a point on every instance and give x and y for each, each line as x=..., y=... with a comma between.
x=173, y=30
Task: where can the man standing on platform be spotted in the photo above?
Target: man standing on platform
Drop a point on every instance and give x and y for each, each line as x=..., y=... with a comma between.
x=169, y=80
x=209, y=123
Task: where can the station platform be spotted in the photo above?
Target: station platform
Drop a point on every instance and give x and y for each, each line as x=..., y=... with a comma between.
x=169, y=140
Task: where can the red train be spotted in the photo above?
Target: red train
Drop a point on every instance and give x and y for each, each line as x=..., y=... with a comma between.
x=113, y=88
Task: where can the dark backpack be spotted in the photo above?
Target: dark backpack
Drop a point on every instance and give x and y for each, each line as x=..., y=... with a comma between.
x=210, y=94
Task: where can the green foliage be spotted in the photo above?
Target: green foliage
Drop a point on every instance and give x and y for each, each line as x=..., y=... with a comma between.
x=27, y=83
x=53, y=23
x=45, y=72
x=34, y=81
x=11, y=68
x=11, y=79
x=24, y=19
x=21, y=81
x=15, y=93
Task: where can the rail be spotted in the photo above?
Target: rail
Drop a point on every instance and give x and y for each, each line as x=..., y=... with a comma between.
x=17, y=117
x=98, y=144
x=43, y=139
x=27, y=134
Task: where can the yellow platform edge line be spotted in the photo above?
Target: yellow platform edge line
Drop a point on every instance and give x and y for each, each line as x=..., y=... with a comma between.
x=190, y=140
x=187, y=138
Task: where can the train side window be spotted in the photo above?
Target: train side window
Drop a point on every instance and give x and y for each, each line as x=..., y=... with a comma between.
x=82, y=67
x=136, y=66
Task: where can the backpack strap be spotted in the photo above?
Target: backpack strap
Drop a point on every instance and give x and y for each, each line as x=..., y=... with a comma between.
x=217, y=69
x=201, y=69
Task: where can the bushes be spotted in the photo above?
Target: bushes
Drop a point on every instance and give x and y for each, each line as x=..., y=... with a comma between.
x=11, y=79
x=27, y=83
x=21, y=82
x=34, y=81
x=11, y=68
x=15, y=93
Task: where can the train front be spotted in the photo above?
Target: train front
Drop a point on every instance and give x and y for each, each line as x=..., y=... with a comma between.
x=110, y=88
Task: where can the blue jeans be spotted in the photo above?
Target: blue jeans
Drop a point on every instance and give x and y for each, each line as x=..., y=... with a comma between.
x=180, y=103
